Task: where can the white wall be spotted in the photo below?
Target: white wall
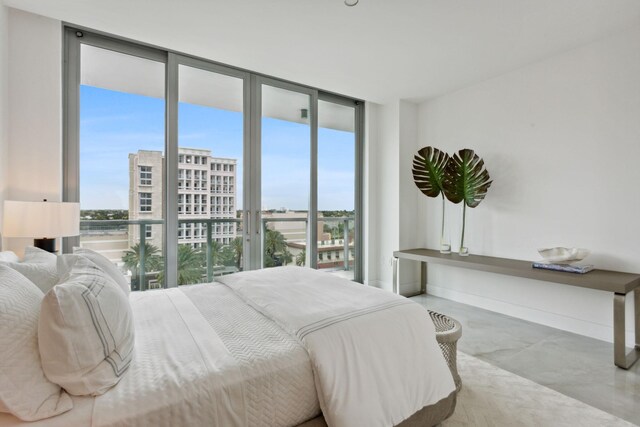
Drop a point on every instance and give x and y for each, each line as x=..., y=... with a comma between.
x=35, y=101
x=412, y=224
x=561, y=139
x=4, y=110
x=370, y=194
x=385, y=171
x=390, y=202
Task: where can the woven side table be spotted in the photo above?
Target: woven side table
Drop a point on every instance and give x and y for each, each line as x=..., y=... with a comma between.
x=448, y=332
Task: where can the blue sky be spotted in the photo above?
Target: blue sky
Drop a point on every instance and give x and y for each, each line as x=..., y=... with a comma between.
x=114, y=124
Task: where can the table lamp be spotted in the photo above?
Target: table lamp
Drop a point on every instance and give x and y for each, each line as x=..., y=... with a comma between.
x=44, y=221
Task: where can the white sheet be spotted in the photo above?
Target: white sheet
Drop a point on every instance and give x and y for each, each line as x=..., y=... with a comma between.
x=277, y=372
x=183, y=375
x=375, y=356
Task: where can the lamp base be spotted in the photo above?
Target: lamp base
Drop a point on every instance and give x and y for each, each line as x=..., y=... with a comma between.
x=48, y=245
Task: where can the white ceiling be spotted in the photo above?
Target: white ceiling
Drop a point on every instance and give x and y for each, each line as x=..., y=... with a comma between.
x=111, y=70
x=379, y=50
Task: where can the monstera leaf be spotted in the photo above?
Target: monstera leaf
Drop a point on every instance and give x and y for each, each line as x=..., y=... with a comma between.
x=466, y=179
x=429, y=170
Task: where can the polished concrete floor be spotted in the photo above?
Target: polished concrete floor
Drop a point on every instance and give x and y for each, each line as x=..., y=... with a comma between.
x=574, y=365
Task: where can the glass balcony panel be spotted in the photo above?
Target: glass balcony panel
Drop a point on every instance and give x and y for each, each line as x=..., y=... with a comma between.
x=284, y=239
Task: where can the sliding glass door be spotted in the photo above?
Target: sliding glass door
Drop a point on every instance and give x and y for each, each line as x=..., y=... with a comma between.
x=210, y=182
x=337, y=179
x=285, y=165
x=187, y=170
x=121, y=160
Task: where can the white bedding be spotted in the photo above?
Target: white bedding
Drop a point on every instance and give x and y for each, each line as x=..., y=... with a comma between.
x=270, y=350
x=203, y=358
x=375, y=356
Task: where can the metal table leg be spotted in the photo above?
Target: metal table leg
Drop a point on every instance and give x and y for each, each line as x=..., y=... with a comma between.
x=396, y=286
x=423, y=277
x=621, y=358
x=396, y=279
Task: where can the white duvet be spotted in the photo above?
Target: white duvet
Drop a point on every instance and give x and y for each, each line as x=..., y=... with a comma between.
x=375, y=357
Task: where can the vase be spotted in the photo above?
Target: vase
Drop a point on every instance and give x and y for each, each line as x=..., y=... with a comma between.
x=445, y=240
x=463, y=250
x=445, y=245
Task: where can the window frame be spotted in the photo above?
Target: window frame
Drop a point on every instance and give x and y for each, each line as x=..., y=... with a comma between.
x=145, y=196
x=142, y=175
x=75, y=36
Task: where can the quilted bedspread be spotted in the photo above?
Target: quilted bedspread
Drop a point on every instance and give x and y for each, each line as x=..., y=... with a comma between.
x=203, y=358
x=224, y=364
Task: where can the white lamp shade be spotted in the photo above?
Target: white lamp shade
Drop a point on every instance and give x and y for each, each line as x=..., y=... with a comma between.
x=41, y=219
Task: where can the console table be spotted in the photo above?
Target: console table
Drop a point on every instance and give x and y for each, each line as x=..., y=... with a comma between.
x=618, y=283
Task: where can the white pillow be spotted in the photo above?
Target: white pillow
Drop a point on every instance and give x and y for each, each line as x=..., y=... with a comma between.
x=38, y=266
x=64, y=265
x=24, y=390
x=8, y=256
x=106, y=266
x=85, y=332
x=33, y=254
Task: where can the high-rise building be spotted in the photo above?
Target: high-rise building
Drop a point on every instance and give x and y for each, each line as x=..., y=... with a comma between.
x=206, y=189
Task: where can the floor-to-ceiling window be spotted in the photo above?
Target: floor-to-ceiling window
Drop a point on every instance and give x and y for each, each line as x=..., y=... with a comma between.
x=121, y=159
x=285, y=154
x=186, y=169
x=337, y=199
x=210, y=172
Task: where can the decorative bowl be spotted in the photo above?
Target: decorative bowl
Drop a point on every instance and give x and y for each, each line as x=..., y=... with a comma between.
x=563, y=255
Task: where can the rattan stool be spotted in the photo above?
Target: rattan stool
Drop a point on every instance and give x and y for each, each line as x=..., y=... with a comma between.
x=448, y=332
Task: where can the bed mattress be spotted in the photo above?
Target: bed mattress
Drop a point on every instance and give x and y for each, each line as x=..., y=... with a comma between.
x=203, y=357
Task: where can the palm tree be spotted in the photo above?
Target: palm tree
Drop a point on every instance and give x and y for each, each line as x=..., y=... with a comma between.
x=190, y=265
x=286, y=256
x=274, y=243
x=152, y=261
x=215, y=255
x=228, y=256
x=237, y=246
x=301, y=258
x=152, y=258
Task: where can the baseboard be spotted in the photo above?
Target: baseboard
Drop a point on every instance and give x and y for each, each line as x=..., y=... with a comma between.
x=375, y=284
x=410, y=288
x=554, y=320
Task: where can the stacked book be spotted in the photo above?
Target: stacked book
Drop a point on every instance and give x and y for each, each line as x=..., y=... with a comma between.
x=570, y=268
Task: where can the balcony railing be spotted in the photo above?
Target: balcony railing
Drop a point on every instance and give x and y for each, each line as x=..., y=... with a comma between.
x=97, y=232
x=116, y=238
x=340, y=233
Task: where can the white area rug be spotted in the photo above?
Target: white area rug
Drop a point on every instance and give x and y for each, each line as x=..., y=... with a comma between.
x=491, y=396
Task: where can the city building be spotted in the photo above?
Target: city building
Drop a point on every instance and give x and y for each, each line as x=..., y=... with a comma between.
x=206, y=190
x=331, y=251
x=285, y=222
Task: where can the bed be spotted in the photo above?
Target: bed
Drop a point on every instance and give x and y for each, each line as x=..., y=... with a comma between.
x=280, y=347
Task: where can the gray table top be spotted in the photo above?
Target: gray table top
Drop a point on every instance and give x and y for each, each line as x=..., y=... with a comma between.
x=604, y=280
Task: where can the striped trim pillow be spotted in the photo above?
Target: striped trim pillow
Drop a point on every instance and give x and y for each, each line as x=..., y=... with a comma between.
x=85, y=332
